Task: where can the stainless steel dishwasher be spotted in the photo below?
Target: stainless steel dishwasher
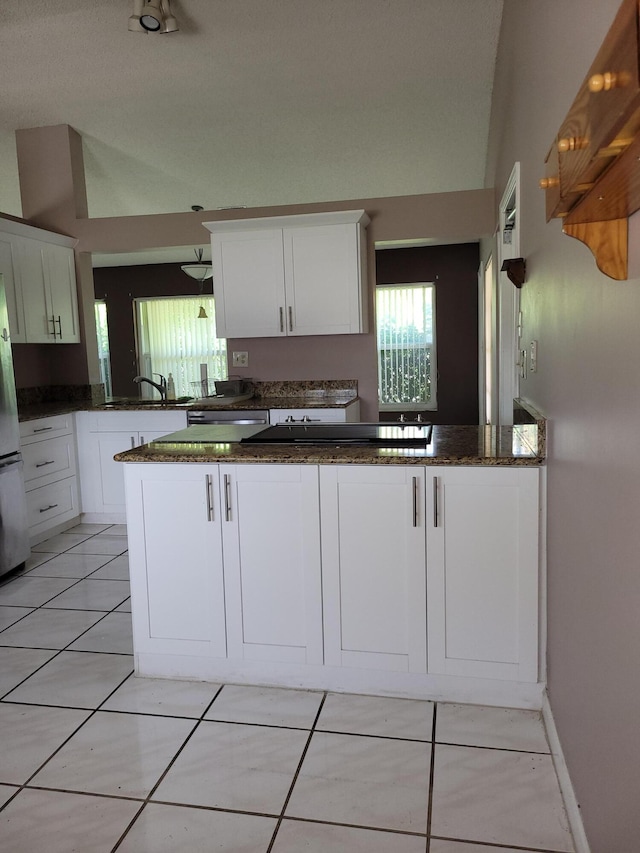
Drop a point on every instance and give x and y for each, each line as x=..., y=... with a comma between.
x=227, y=416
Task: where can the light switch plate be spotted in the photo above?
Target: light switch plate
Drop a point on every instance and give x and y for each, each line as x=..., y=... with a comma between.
x=240, y=359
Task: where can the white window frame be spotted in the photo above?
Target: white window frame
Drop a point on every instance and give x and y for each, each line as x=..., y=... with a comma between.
x=432, y=404
x=144, y=360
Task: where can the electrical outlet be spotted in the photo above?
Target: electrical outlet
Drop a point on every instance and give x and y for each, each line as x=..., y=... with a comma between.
x=533, y=356
x=240, y=359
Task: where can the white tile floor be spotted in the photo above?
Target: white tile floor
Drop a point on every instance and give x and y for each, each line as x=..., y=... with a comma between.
x=95, y=760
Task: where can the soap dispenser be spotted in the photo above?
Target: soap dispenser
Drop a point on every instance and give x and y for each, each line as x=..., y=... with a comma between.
x=171, y=388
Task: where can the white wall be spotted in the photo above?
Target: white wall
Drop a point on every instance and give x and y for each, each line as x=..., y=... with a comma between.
x=588, y=385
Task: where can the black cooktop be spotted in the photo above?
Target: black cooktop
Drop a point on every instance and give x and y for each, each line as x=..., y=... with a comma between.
x=375, y=434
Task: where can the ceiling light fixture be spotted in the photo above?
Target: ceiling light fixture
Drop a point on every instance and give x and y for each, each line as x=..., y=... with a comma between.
x=154, y=16
x=200, y=272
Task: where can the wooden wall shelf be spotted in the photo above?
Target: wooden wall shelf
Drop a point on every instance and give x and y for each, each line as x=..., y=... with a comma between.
x=592, y=178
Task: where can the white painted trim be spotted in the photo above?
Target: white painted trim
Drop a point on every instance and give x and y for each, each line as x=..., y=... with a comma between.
x=300, y=220
x=562, y=771
x=20, y=229
x=406, y=685
x=508, y=306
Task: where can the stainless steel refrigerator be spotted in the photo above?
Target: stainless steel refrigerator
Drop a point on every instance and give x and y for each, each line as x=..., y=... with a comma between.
x=14, y=533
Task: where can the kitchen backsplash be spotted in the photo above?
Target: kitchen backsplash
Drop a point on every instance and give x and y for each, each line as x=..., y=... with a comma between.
x=311, y=388
x=93, y=394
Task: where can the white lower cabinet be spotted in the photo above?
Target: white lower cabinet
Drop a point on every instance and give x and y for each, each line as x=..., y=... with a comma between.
x=175, y=553
x=49, y=453
x=482, y=578
x=373, y=566
x=100, y=436
x=271, y=543
x=402, y=579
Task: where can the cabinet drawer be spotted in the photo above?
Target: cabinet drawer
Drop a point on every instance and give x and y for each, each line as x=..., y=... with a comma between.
x=43, y=428
x=48, y=461
x=279, y=416
x=52, y=504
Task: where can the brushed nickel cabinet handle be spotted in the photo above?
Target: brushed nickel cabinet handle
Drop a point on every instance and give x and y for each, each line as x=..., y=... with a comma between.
x=435, y=501
x=209, y=484
x=59, y=322
x=290, y=318
x=42, y=464
x=52, y=320
x=47, y=508
x=133, y=442
x=42, y=429
x=282, y=319
x=414, y=489
x=227, y=497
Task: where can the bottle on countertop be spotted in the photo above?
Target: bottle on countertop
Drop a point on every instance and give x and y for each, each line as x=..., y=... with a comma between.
x=171, y=388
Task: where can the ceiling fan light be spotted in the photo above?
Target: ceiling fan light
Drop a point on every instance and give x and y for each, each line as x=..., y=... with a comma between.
x=134, y=21
x=170, y=23
x=151, y=18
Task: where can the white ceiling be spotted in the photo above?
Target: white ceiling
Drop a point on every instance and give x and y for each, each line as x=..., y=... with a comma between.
x=254, y=102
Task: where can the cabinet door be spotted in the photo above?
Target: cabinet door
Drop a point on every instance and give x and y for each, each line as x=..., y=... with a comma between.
x=324, y=280
x=60, y=277
x=248, y=282
x=482, y=557
x=272, y=562
x=10, y=274
x=175, y=557
x=373, y=566
x=110, y=485
x=38, y=318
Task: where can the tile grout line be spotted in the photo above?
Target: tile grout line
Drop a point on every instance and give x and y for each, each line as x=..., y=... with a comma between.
x=432, y=767
x=297, y=773
x=497, y=845
x=147, y=799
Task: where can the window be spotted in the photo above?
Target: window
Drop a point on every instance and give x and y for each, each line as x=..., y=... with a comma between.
x=174, y=338
x=405, y=320
x=102, y=332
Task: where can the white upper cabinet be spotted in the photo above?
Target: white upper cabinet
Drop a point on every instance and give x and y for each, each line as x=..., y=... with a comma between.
x=290, y=275
x=40, y=280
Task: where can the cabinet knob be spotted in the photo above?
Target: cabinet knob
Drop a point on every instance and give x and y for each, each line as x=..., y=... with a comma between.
x=572, y=143
x=609, y=80
x=547, y=183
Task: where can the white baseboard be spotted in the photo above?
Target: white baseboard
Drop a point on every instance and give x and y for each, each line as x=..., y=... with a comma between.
x=443, y=688
x=571, y=803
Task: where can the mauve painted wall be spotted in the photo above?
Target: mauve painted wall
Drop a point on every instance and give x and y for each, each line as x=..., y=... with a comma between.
x=454, y=269
x=588, y=385
x=57, y=203
x=119, y=286
x=326, y=356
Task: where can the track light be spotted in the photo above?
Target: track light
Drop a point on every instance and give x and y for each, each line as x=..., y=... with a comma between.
x=154, y=16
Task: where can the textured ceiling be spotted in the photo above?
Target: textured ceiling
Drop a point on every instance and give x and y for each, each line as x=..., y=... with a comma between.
x=254, y=102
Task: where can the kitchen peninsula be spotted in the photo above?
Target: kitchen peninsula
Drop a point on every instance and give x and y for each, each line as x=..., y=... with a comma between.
x=406, y=572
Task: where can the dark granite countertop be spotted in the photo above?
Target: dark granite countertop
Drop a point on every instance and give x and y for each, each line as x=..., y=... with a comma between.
x=450, y=445
x=131, y=404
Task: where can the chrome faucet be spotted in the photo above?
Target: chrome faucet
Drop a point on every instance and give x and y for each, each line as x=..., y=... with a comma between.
x=161, y=386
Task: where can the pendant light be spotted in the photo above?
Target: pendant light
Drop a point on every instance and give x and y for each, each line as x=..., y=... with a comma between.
x=200, y=272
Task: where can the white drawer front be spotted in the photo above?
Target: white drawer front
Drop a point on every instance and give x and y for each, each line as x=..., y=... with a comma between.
x=279, y=416
x=43, y=428
x=47, y=461
x=51, y=504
